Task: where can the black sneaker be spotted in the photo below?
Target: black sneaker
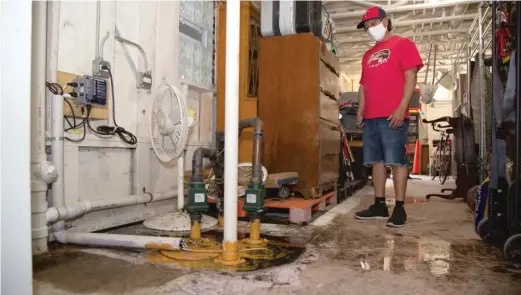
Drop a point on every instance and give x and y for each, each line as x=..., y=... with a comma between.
x=374, y=212
x=398, y=218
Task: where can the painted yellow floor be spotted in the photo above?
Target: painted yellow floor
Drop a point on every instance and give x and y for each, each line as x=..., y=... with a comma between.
x=436, y=253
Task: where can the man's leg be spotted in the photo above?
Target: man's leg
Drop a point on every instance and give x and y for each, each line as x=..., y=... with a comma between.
x=400, y=176
x=373, y=155
x=394, y=156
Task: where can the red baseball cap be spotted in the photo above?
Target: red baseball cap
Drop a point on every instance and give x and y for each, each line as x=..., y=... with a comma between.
x=371, y=13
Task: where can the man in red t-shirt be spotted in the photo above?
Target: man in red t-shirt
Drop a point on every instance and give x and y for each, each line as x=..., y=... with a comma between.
x=388, y=81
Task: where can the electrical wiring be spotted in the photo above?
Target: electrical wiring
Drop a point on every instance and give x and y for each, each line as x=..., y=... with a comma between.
x=57, y=89
x=331, y=37
x=106, y=130
x=103, y=130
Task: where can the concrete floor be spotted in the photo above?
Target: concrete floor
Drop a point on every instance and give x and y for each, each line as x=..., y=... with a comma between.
x=436, y=253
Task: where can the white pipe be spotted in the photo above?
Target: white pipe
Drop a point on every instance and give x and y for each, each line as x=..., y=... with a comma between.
x=231, y=112
x=180, y=182
x=57, y=155
x=113, y=240
x=54, y=214
x=38, y=155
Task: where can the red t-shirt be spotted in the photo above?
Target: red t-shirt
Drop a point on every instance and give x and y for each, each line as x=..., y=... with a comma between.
x=383, y=68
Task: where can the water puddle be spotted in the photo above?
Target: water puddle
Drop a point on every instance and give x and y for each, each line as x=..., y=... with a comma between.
x=277, y=252
x=396, y=253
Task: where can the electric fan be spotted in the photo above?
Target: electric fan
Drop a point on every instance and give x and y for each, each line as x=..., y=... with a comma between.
x=169, y=128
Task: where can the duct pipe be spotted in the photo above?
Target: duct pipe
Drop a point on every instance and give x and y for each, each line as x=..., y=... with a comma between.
x=54, y=214
x=258, y=143
x=456, y=23
x=231, y=161
x=181, y=181
x=113, y=240
x=42, y=172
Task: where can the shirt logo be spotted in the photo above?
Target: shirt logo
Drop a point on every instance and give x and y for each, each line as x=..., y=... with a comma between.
x=378, y=58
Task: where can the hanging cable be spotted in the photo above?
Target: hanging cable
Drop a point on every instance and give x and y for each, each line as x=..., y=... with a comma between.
x=57, y=89
x=106, y=130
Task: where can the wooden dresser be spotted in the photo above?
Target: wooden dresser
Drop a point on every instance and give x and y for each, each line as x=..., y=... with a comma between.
x=298, y=102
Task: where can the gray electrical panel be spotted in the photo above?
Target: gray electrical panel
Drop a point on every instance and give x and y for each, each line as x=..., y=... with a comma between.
x=90, y=90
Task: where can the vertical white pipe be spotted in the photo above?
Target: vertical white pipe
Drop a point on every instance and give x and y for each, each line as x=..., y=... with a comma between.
x=15, y=104
x=231, y=123
x=180, y=182
x=56, y=103
x=38, y=155
x=482, y=133
x=57, y=138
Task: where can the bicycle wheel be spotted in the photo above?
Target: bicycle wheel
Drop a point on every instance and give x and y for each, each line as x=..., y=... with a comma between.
x=433, y=168
x=445, y=166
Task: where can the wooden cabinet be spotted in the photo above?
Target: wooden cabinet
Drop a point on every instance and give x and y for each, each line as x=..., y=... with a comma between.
x=298, y=103
x=248, y=71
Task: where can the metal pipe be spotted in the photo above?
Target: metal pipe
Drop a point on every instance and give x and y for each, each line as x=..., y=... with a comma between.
x=482, y=142
x=98, y=22
x=518, y=117
x=113, y=240
x=123, y=40
x=434, y=74
x=485, y=31
x=258, y=144
x=469, y=74
x=197, y=163
x=231, y=150
x=428, y=64
x=54, y=214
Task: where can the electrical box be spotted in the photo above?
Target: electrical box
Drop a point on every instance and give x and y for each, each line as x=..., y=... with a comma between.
x=89, y=90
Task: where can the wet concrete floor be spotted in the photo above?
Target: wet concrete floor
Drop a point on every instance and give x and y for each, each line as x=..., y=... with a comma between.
x=436, y=253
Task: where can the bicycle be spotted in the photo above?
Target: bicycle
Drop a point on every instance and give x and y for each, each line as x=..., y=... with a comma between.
x=442, y=156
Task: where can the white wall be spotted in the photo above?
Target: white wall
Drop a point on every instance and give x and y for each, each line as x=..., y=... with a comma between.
x=15, y=179
x=99, y=168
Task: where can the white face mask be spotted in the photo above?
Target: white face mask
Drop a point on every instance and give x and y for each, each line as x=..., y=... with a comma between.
x=377, y=33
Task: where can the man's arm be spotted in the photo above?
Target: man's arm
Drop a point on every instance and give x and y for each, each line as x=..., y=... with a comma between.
x=361, y=101
x=408, y=89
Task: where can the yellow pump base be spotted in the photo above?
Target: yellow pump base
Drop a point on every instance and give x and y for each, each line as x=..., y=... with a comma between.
x=230, y=254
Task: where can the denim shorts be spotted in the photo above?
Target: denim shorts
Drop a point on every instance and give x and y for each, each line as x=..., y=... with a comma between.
x=382, y=144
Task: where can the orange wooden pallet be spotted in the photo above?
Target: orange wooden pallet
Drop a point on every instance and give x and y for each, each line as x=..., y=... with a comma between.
x=301, y=211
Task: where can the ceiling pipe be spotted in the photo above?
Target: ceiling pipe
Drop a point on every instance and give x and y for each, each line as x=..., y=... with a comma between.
x=406, y=23
x=410, y=35
x=402, y=8
x=371, y=4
